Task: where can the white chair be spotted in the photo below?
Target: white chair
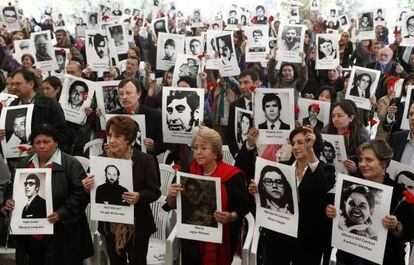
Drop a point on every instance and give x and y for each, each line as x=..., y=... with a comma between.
x=163, y=157
x=167, y=176
x=249, y=219
x=227, y=157
x=94, y=146
x=84, y=161
x=172, y=247
x=255, y=243
x=96, y=239
x=157, y=244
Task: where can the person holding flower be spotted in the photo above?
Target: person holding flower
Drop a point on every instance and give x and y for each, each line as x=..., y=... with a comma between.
x=374, y=157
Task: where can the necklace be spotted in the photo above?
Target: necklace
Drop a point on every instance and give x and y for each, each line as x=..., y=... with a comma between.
x=209, y=173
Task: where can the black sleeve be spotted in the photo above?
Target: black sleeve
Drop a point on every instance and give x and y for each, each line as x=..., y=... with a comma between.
x=152, y=182
x=231, y=139
x=246, y=161
x=238, y=196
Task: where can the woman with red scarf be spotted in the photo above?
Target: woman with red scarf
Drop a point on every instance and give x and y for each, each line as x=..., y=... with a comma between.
x=207, y=146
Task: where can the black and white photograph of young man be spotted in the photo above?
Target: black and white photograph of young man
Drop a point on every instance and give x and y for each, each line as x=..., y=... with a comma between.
x=112, y=178
x=60, y=56
x=93, y=22
x=10, y=18
x=272, y=106
x=227, y=60
x=169, y=46
x=366, y=26
x=260, y=15
x=182, y=113
x=257, y=42
x=379, y=16
x=403, y=174
x=290, y=41
x=187, y=67
x=314, y=113
x=334, y=153
x=244, y=122
x=97, y=51
x=196, y=20
x=107, y=99
x=327, y=56
x=32, y=195
x=117, y=35
x=81, y=27
x=343, y=21
x=407, y=29
x=17, y=122
x=44, y=54
x=194, y=46
x=362, y=86
x=232, y=18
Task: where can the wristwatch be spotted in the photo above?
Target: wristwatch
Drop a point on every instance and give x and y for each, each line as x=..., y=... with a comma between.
x=398, y=227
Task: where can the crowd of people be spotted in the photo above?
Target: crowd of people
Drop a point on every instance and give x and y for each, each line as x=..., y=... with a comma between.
x=54, y=141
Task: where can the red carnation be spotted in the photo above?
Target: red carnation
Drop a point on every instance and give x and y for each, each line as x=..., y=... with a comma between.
x=245, y=37
x=297, y=110
x=252, y=88
x=386, y=74
x=315, y=28
x=399, y=39
x=84, y=95
x=409, y=197
x=102, y=134
x=22, y=148
x=129, y=111
x=372, y=122
x=1, y=105
x=397, y=32
x=224, y=25
x=135, y=17
x=177, y=167
x=145, y=25
x=4, y=26
x=162, y=14
x=106, y=17
x=271, y=18
x=315, y=107
x=254, y=20
x=200, y=56
x=347, y=132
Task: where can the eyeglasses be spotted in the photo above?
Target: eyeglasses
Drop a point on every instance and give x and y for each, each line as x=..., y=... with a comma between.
x=30, y=184
x=269, y=182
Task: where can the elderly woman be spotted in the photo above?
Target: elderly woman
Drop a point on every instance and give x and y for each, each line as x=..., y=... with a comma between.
x=207, y=161
x=124, y=241
x=374, y=157
x=314, y=180
x=71, y=241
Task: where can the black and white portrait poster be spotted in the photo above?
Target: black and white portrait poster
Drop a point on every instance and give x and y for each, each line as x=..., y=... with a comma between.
x=17, y=121
x=314, y=113
x=232, y=18
x=274, y=114
x=80, y=27
x=244, y=122
x=44, y=54
x=196, y=20
x=142, y=129
x=403, y=174
x=259, y=15
x=361, y=204
x=211, y=49
x=93, y=20
x=366, y=26
x=22, y=47
x=290, y=41
x=343, y=22
x=118, y=39
x=182, y=113
x=187, y=67
x=217, y=25
x=277, y=200
x=409, y=101
x=327, y=52
x=407, y=29
x=112, y=178
x=76, y=95
x=107, y=98
x=334, y=154
x=6, y=99
x=168, y=48
x=33, y=203
x=314, y=5
x=194, y=45
x=160, y=25
x=116, y=13
x=257, y=43
x=61, y=56
x=10, y=18
x=227, y=60
x=362, y=85
x=196, y=204
x=379, y=16
x=97, y=50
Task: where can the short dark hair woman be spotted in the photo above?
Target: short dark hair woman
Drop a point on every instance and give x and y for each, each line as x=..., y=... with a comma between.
x=71, y=241
x=123, y=240
x=374, y=157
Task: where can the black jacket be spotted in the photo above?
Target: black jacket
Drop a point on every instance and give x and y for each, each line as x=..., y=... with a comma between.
x=231, y=137
x=397, y=142
x=36, y=209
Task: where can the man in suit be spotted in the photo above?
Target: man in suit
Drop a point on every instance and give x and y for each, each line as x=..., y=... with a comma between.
x=36, y=205
x=260, y=17
x=232, y=20
x=402, y=142
x=361, y=87
x=312, y=119
x=111, y=192
x=410, y=27
x=271, y=105
x=247, y=79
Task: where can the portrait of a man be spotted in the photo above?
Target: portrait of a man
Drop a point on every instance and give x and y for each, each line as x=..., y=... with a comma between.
x=225, y=49
x=100, y=45
x=169, y=50
x=159, y=26
x=328, y=153
x=41, y=45
x=290, y=39
x=312, y=118
x=198, y=202
x=361, y=86
x=111, y=192
x=275, y=191
x=257, y=45
x=366, y=23
x=196, y=17
x=93, y=19
x=195, y=47
x=18, y=132
x=111, y=98
x=60, y=56
x=326, y=49
x=379, y=16
x=181, y=110
x=35, y=205
x=117, y=35
x=260, y=17
x=189, y=69
x=244, y=124
x=78, y=92
x=232, y=20
x=271, y=106
x=410, y=27
x=343, y=21
x=10, y=14
x=406, y=179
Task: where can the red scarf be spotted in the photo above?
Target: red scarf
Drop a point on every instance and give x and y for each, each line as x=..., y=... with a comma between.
x=212, y=253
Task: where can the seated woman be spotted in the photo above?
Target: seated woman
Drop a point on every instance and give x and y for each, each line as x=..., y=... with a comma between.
x=314, y=180
x=123, y=240
x=71, y=241
x=207, y=161
x=374, y=157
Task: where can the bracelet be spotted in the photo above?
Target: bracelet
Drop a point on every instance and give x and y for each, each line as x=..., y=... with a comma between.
x=398, y=227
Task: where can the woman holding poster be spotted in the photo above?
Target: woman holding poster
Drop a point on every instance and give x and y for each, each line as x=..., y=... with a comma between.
x=207, y=161
x=124, y=240
x=314, y=180
x=374, y=157
x=71, y=241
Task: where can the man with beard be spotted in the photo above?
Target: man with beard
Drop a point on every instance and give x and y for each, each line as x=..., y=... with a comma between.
x=290, y=40
x=181, y=107
x=99, y=43
x=272, y=106
x=111, y=192
x=41, y=48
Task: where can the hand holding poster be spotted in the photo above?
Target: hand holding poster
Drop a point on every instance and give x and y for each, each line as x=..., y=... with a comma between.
x=33, y=203
x=360, y=205
x=277, y=200
x=106, y=194
x=196, y=204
